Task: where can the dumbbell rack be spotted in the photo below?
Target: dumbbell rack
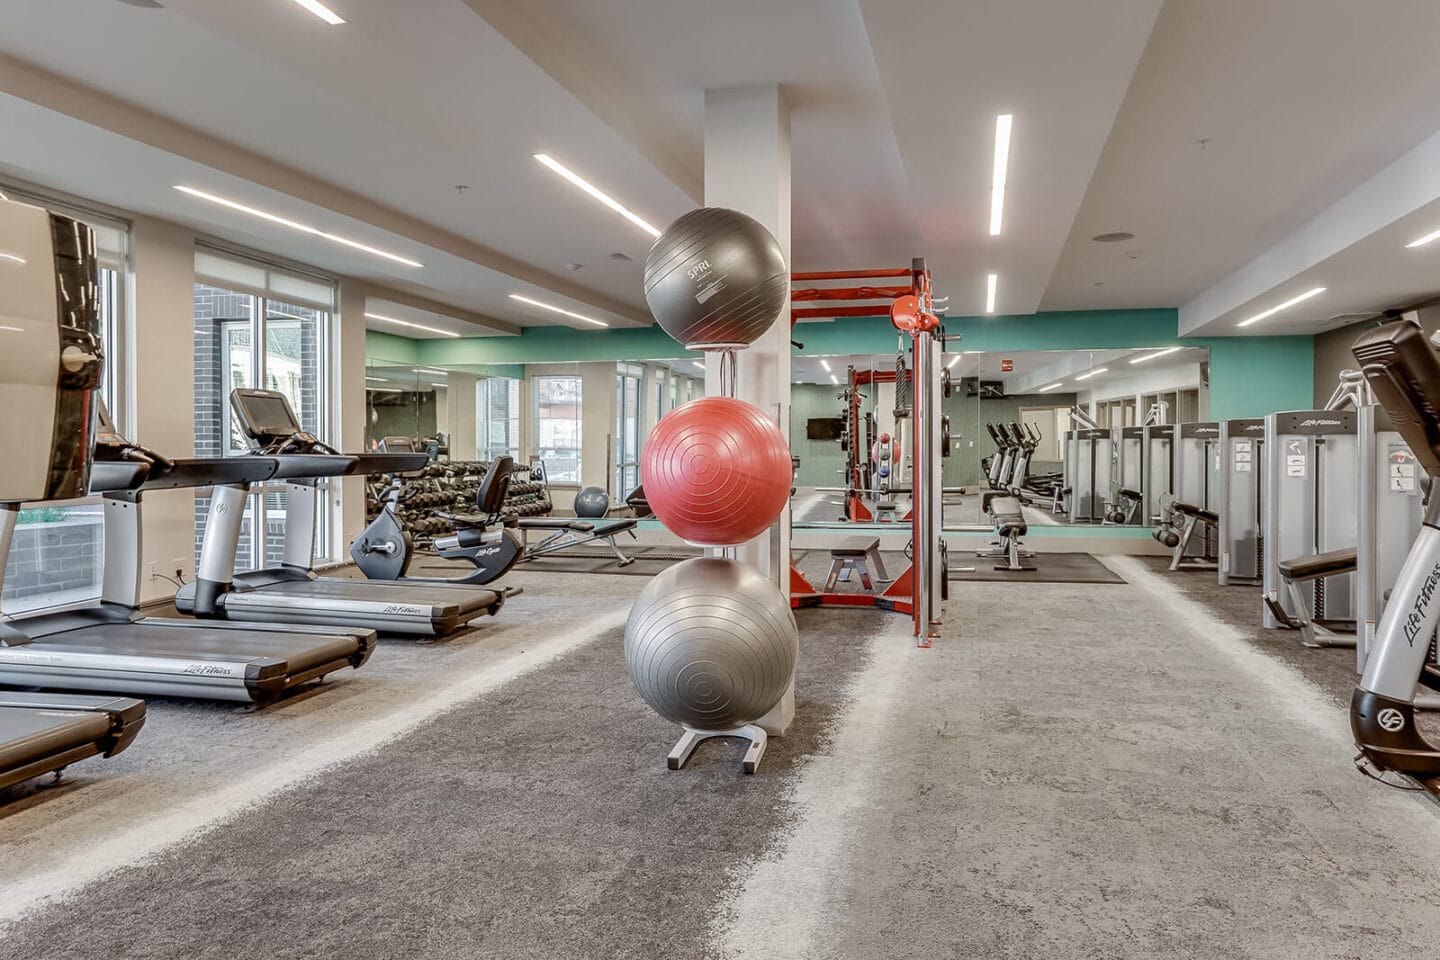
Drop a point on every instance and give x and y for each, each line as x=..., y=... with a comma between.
x=450, y=487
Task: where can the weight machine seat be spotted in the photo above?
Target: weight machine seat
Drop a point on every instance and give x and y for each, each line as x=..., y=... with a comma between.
x=1007, y=516
x=1315, y=566
x=1190, y=510
x=855, y=547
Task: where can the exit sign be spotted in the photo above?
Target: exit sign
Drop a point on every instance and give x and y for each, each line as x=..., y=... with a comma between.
x=1007, y=366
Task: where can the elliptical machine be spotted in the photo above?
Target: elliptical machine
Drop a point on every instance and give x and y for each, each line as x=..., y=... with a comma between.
x=485, y=539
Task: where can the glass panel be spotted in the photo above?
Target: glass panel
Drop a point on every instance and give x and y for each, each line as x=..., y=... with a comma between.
x=558, y=405
x=55, y=558
x=498, y=418
x=293, y=361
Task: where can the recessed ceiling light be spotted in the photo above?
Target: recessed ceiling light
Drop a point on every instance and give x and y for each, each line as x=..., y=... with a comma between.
x=562, y=310
x=1115, y=237
x=1159, y=353
x=834, y=379
x=826, y=364
x=595, y=192
x=408, y=323
x=953, y=360
x=302, y=227
x=374, y=379
x=12, y=257
x=699, y=363
x=383, y=390
x=1316, y=291
x=1424, y=240
x=1002, y=161
x=441, y=385
x=1052, y=387
x=322, y=11
x=432, y=370
x=1093, y=373
x=990, y=283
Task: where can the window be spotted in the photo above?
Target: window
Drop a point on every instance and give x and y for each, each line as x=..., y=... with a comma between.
x=248, y=336
x=627, y=429
x=497, y=423
x=557, y=427
x=57, y=554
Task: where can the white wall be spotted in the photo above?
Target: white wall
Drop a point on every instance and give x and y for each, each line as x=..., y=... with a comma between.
x=1132, y=385
x=347, y=334
x=160, y=347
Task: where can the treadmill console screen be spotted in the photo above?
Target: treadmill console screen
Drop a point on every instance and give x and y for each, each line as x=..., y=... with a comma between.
x=398, y=445
x=264, y=414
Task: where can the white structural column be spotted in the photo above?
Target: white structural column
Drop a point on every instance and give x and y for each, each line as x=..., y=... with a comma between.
x=747, y=168
x=460, y=414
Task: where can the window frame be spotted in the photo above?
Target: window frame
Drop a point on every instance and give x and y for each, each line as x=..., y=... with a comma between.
x=553, y=477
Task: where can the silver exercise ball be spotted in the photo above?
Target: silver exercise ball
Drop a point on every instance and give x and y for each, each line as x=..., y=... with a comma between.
x=711, y=644
x=592, y=502
x=715, y=278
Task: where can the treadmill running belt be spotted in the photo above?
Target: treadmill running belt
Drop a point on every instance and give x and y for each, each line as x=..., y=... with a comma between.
x=445, y=604
x=30, y=735
x=299, y=652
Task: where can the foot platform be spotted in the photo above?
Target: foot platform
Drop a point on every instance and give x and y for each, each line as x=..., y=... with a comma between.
x=691, y=738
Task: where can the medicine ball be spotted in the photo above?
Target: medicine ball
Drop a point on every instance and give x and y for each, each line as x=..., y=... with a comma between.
x=716, y=277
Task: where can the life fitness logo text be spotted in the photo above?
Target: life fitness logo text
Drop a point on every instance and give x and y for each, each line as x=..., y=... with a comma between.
x=1415, y=619
x=1390, y=720
x=1320, y=423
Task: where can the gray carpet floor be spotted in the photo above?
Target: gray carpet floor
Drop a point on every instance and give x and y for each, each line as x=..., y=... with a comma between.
x=1072, y=770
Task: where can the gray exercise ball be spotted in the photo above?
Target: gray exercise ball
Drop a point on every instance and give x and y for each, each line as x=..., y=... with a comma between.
x=711, y=644
x=716, y=277
x=592, y=502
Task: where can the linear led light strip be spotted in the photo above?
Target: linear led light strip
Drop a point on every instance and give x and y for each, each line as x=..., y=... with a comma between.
x=1052, y=386
x=1002, y=162
x=13, y=258
x=408, y=323
x=302, y=227
x=1093, y=373
x=1159, y=353
x=595, y=192
x=322, y=11
x=561, y=310
x=991, y=282
x=1315, y=291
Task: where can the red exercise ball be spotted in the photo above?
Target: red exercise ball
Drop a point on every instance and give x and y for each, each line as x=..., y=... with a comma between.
x=716, y=471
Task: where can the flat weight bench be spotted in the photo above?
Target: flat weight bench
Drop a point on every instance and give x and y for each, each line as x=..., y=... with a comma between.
x=1314, y=631
x=852, y=555
x=1190, y=520
x=1007, y=518
x=567, y=532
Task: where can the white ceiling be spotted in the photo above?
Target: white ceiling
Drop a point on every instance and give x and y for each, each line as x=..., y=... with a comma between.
x=366, y=129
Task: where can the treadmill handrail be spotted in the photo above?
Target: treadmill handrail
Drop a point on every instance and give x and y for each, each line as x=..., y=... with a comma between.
x=212, y=471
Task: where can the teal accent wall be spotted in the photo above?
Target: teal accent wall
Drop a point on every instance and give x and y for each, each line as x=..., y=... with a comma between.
x=386, y=349
x=820, y=460
x=1253, y=376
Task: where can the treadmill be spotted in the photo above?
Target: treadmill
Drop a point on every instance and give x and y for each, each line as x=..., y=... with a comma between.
x=111, y=647
x=48, y=378
x=292, y=592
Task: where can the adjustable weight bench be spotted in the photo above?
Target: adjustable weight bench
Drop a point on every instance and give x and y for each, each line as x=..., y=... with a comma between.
x=1181, y=522
x=1007, y=517
x=567, y=532
x=1315, y=631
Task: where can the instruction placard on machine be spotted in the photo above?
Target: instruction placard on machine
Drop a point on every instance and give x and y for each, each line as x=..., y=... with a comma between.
x=1243, y=455
x=1402, y=470
x=1296, y=462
